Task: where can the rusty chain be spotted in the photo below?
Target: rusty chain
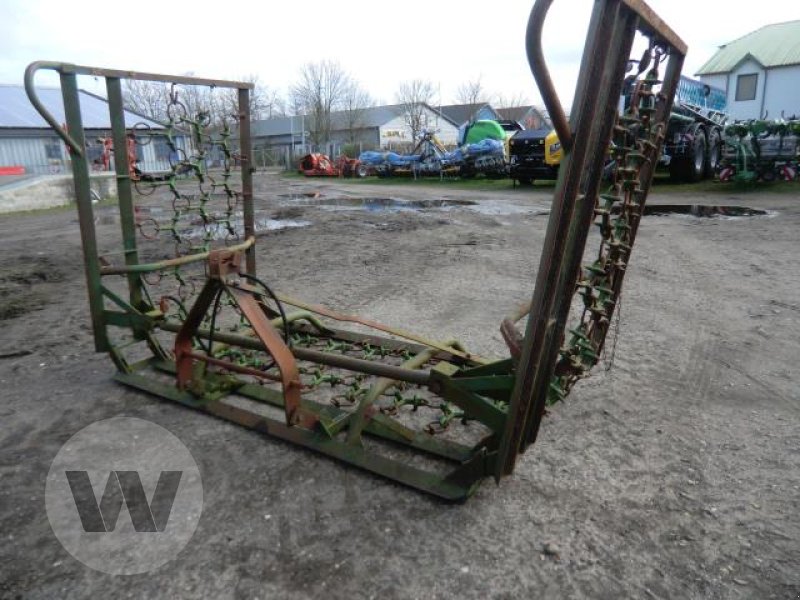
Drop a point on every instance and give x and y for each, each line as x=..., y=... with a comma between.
x=635, y=141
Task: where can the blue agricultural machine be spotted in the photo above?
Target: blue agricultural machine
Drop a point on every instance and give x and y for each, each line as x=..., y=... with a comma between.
x=430, y=158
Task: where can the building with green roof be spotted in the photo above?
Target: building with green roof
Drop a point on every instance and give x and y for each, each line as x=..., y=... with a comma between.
x=760, y=72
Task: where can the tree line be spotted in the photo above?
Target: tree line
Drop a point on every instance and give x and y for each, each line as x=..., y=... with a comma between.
x=321, y=89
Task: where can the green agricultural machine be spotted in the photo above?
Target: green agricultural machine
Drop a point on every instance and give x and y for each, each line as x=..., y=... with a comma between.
x=761, y=151
x=179, y=305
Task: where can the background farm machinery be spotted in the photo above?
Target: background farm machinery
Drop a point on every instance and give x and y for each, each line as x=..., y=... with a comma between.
x=321, y=165
x=480, y=154
x=430, y=158
x=761, y=151
x=694, y=140
x=177, y=302
x=692, y=144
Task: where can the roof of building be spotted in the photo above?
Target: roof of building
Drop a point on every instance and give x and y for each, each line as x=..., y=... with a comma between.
x=514, y=113
x=16, y=110
x=774, y=45
x=461, y=113
x=374, y=116
x=518, y=113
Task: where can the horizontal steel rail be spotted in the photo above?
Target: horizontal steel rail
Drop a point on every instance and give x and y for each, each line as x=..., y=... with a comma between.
x=171, y=262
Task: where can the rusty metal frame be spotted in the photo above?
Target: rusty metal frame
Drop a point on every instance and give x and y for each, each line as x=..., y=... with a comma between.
x=585, y=140
x=507, y=396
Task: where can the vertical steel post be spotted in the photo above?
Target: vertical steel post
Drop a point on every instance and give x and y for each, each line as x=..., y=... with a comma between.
x=606, y=54
x=601, y=117
x=548, y=294
x=127, y=215
x=83, y=195
x=246, y=162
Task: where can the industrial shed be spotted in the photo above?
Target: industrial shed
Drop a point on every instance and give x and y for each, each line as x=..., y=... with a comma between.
x=370, y=128
x=28, y=145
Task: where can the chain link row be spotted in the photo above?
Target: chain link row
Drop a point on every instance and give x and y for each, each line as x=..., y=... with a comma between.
x=636, y=139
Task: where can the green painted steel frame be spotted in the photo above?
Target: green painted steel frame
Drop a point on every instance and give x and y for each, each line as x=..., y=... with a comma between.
x=507, y=396
x=469, y=465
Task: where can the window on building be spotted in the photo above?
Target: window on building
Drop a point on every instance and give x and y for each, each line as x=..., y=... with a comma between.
x=746, y=87
x=52, y=150
x=94, y=153
x=162, y=148
x=139, y=153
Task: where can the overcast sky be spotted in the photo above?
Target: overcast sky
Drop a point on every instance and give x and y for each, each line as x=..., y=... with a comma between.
x=379, y=43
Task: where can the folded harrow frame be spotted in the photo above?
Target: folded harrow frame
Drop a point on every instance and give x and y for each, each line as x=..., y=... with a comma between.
x=223, y=343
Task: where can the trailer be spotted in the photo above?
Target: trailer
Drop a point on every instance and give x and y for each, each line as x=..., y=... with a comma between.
x=694, y=141
x=692, y=146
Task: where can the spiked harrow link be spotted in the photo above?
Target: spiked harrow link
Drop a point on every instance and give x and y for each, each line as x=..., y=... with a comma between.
x=179, y=305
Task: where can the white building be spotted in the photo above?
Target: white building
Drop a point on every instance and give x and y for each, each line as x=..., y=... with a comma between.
x=759, y=72
x=377, y=127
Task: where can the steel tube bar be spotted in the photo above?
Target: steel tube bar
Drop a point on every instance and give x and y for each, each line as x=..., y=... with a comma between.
x=83, y=196
x=454, y=350
x=619, y=45
x=324, y=358
x=542, y=324
x=226, y=364
x=247, y=167
x=533, y=46
x=127, y=218
x=72, y=70
x=172, y=262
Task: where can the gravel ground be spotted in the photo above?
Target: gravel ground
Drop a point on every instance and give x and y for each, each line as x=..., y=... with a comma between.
x=675, y=474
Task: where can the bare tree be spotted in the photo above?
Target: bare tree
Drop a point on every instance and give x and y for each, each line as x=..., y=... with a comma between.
x=148, y=98
x=321, y=89
x=162, y=101
x=413, y=96
x=471, y=92
x=355, y=103
x=265, y=102
x=514, y=100
x=274, y=105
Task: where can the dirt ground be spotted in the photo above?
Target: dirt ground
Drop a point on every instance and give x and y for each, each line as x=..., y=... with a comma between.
x=675, y=474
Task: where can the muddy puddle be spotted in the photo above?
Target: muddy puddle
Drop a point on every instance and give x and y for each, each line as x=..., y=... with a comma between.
x=389, y=204
x=372, y=204
x=706, y=211
x=153, y=219
x=292, y=207
x=221, y=230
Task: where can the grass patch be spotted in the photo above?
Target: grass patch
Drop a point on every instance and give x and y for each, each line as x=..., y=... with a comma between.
x=661, y=184
x=480, y=184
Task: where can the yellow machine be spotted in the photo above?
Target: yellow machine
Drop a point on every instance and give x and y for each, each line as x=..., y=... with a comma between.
x=535, y=154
